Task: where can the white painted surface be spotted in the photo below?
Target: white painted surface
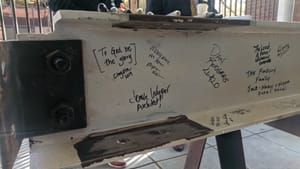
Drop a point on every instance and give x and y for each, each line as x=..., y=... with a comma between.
x=285, y=10
x=222, y=105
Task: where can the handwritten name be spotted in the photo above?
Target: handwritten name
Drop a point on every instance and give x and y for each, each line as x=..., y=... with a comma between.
x=151, y=98
x=118, y=59
x=123, y=74
x=262, y=53
x=223, y=120
x=268, y=88
x=283, y=49
x=263, y=74
x=262, y=78
x=241, y=111
x=157, y=62
x=214, y=70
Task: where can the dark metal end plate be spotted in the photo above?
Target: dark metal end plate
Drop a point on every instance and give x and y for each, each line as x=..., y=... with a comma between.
x=43, y=87
x=100, y=146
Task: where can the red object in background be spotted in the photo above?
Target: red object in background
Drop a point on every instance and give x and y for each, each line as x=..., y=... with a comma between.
x=117, y=164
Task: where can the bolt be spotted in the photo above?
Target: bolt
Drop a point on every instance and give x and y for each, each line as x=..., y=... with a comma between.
x=159, y=132
x=123, y=141
x=59, y=62
x=63, y=116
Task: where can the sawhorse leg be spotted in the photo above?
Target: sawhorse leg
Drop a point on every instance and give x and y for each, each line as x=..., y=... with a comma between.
x=230, y=148
x=194, y=155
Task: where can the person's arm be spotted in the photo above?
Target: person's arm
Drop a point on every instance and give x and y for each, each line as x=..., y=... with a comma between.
x=155, y=6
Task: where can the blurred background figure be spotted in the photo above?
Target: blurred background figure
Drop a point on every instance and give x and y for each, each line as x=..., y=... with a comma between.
x=86, y=5
x=164, y=7
x=210, y=3
x=186, y=7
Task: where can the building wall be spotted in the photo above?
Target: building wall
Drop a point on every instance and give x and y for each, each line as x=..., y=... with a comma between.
x=297, y=11
x=262, y=9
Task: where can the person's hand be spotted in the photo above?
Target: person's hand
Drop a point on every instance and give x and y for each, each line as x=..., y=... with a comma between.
x=122, y=8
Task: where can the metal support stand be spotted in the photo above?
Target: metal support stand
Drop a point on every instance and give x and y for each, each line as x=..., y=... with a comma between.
x=195, y=154
x=230, y=148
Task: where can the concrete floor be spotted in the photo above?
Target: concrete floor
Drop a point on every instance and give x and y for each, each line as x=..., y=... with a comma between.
x=264, y=147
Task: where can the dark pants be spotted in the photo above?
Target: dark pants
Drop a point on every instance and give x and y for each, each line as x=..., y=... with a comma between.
x=211, y=6
x=163, y=7
x=88, y=5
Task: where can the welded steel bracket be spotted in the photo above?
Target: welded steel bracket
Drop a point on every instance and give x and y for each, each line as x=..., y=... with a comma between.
x=42, y=91
x=99, y=146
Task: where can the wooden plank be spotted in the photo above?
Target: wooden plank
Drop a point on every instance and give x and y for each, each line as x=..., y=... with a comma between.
x=187, y=19
x=178, y=23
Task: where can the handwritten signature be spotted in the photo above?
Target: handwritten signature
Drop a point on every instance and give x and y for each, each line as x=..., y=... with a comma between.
x=150, y=98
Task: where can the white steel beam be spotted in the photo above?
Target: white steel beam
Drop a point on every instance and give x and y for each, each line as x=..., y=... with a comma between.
x=222, y=79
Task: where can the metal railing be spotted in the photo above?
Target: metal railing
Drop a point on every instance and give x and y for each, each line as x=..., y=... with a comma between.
x=265, y=10
x=231, y=7
x=24, y=16
x=262, y=9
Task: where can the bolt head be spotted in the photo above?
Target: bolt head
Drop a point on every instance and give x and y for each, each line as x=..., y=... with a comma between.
x=63, y=116
x=59, y=62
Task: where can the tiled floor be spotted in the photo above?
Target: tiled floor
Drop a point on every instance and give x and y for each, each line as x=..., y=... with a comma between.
x=264, y=147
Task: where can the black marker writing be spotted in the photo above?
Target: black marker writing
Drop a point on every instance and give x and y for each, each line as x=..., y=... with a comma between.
x=214, y=70
x=225, y=120
x=262, y=53
x=147, y=99
x=119, y=59
x=157, y=62
x=283, y=49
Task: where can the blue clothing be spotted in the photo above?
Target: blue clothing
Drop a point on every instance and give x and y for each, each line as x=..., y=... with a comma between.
x=211, y=6
x=163, y=7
